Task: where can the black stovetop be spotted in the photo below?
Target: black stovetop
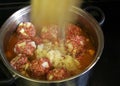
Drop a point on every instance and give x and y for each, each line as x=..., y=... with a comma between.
x=106, y=72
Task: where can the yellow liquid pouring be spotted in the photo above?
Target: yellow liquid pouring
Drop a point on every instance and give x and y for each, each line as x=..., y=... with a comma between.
x=46, y=12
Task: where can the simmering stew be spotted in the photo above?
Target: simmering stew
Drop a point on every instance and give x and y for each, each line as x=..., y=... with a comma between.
x=41, y=55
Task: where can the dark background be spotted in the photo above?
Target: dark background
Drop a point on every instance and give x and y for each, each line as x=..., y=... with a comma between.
x=107, y=70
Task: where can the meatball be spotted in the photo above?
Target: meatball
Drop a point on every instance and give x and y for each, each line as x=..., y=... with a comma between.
x=49, y=32
x=39, y=67
x=26, y=30
x=76, y=44
x=73, y=30
x=20, y=62
x=25, y=47
x=75, y=39
x=57, y=74
x=37, y=39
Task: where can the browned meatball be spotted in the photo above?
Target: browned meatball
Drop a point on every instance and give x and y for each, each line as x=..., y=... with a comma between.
x=26, y=30
x=25, y=47
x=57, y=74
x=20, y=62
x=40, y=67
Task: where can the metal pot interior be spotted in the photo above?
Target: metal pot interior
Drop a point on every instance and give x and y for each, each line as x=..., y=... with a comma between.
x=84, y=20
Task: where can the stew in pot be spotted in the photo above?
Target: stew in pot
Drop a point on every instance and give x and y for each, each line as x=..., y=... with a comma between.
x=41, y=55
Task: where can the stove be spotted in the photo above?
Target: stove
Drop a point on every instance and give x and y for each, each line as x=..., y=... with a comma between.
x=106, y=72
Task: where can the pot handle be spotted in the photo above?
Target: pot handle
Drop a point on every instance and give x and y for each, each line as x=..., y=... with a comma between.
x=5, y=74
x=97, y=13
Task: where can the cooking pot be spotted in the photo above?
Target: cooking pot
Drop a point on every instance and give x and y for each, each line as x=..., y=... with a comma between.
x=84, y=20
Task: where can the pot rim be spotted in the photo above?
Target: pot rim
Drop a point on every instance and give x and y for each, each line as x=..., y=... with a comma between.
x=76, y=10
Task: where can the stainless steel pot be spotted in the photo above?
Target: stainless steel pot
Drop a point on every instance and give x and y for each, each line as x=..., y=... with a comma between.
x=86, y=22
